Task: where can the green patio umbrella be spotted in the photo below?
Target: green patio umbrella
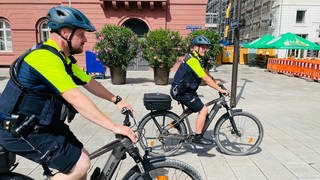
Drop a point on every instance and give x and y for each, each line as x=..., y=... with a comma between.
x=259, y=43
x=291, y=41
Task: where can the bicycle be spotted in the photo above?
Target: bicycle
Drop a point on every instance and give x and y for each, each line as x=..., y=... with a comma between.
x=145, y=168
x=236, y=132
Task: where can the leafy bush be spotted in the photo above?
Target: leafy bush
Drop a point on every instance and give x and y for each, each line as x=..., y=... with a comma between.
x=116, y=46
x=210, y=58
x=161, y=48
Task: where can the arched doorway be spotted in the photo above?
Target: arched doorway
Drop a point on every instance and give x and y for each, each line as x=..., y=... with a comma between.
x=140, y=28
x=136, y=25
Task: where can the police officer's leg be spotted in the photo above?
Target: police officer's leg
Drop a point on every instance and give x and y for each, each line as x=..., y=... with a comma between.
x=197, y=106
x=201, y=119
x=79, y=170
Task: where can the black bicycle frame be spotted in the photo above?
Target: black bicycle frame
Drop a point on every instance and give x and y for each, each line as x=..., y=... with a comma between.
x=119, y=147
x=214, y=110
x=217, y=104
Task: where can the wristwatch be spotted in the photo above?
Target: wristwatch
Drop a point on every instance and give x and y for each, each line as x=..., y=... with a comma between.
x=118, y=99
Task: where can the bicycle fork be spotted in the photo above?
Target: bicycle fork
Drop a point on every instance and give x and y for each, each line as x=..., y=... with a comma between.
x=233, y=124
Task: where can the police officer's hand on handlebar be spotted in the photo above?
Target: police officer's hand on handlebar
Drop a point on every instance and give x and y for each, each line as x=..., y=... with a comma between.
x=126, y=131
x=223, y=90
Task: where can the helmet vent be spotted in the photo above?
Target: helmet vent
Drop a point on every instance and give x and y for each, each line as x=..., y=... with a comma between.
x=60, y=13
x=78, y=17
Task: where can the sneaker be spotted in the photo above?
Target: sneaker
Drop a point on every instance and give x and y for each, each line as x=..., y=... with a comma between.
x=200, y=140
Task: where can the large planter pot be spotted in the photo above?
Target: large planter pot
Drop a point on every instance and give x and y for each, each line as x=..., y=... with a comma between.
x=118, y=76
x=161, y=76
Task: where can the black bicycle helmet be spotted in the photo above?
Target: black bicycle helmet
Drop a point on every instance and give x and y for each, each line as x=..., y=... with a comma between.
x=64, y=16
x=201, y=40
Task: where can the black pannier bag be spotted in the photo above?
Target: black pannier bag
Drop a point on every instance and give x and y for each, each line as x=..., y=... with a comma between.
x=7, y=160
x=157, y=101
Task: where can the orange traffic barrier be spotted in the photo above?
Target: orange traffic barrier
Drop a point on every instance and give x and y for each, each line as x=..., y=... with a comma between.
x=300, y=68
x=316, y=72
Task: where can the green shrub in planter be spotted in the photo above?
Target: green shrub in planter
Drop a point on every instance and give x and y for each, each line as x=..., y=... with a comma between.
x=116, y=46
x=161, y=48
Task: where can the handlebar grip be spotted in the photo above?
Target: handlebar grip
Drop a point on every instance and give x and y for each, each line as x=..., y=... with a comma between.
x=124, y=111
x=120, y=136
x=222, y=86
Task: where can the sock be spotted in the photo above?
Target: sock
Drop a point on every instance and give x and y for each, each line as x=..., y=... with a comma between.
x=198, y=136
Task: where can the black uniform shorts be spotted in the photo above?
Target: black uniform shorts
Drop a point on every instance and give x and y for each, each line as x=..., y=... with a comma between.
x=191, y=100
x=59, y=149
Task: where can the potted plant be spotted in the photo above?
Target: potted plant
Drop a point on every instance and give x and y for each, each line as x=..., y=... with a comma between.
x=116, y=46
x=161, y=48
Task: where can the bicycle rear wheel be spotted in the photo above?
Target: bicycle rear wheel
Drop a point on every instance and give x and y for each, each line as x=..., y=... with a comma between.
x=159, y=132
x=14, y=176
x=251, y=134
x=167, y=169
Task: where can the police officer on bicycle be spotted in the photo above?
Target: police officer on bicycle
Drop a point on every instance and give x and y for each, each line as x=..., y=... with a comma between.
x=43, y=90
x=186, y=81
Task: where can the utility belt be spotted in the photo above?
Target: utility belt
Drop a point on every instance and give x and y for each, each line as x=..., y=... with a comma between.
x=180, y=89
x=21, y=126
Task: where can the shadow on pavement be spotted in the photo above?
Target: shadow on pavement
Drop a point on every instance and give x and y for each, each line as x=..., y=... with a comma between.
x=138, y=80
x=239, y=95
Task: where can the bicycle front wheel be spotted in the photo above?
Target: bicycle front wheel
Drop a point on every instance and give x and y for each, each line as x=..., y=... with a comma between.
x=248, y=138
x=167, y=169
x=160, y=132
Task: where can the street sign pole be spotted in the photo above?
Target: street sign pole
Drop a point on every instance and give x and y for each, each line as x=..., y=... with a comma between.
x=236, y=55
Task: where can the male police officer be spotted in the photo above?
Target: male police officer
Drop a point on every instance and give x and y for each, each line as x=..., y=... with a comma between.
x=186, y=82
x=42, y=81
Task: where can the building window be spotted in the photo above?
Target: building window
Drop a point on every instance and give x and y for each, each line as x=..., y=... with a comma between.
x=300, y=16
x=44, y=31
x=5, y=36
x=305, y=36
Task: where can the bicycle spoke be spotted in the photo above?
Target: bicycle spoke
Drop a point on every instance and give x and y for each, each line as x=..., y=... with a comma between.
x=161, y=134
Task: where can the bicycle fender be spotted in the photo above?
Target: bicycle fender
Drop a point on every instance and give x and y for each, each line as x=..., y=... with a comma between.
x=225, y=116
x=156, y=159
x=154, y=113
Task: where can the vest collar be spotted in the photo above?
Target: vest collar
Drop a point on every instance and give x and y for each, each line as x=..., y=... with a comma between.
x=52, y=43
x=196, y=55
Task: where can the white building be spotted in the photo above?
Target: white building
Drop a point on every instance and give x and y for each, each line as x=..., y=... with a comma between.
x=301, y=17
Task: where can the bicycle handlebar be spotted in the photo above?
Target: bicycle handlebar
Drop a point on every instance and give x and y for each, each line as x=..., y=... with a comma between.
x=224, y=88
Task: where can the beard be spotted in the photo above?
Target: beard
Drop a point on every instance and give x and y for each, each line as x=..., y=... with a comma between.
x=78, y=50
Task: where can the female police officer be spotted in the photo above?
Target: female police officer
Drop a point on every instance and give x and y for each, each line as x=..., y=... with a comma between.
x=42, y=81
x=186, y=82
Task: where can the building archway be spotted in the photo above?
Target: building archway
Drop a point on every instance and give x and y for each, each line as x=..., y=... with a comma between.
x=137, y=26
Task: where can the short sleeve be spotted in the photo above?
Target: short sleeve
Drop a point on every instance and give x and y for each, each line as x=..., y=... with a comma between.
x=51, y=67
x=195, y=65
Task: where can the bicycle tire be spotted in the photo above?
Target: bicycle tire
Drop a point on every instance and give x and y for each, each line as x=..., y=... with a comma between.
x=14, y=176
x=166, y=168
x=161, y=144
x=251, y=131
